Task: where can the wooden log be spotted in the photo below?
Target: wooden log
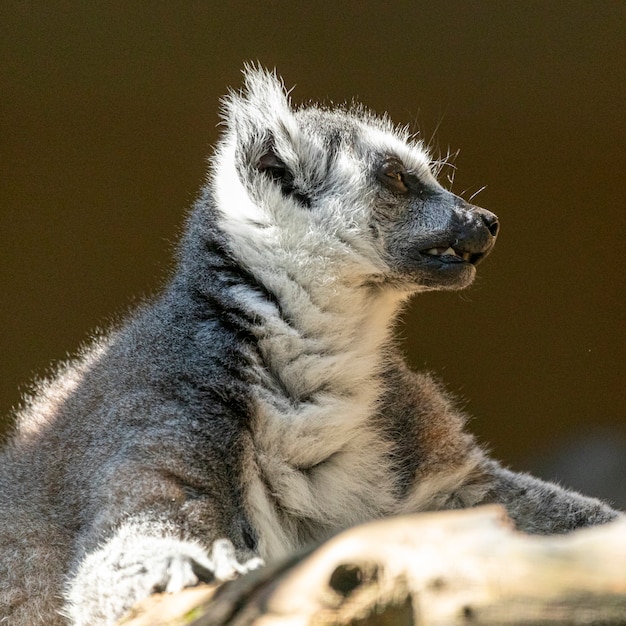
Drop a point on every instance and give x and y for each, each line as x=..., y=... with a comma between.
x=434, y=569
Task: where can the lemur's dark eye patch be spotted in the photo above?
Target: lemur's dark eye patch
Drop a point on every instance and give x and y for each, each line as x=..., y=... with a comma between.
x=392, y=174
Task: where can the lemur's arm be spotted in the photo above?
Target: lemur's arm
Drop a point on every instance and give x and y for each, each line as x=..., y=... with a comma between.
x=435, y=449
x=541, y=507
x=150, y=534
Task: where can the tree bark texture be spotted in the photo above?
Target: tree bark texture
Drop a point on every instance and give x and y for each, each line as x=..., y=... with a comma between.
x=451, y=568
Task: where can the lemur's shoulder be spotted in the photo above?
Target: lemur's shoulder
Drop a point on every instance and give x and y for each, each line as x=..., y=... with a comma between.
x=429, y=433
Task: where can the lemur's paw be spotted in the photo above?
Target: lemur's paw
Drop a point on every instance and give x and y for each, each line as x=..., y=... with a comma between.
x=178, y=571
x=113, y=578
x=225, y=563
x=190, y=567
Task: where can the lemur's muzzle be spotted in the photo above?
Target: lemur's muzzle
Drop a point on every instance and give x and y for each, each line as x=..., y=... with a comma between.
x=470, y=235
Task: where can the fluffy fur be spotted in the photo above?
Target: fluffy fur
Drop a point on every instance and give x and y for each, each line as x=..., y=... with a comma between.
x=259, y=403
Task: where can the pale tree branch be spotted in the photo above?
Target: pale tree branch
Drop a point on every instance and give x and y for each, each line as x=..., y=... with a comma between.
x=434, y=569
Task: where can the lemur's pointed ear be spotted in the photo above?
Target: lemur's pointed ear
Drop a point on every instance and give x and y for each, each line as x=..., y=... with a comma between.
x=265, y=89
x=266, y=138
x=272, y=164
x=261, y=110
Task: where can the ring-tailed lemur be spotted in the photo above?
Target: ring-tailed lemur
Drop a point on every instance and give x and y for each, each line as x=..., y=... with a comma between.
x=259, y=403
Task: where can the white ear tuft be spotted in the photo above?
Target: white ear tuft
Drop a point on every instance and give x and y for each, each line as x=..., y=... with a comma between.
x=262, y=107
x=264, y=87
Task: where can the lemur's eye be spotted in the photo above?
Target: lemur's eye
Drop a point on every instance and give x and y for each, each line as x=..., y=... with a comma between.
x=391, y=173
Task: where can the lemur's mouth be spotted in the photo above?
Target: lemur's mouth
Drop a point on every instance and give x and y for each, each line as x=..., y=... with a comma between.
x=452, y=255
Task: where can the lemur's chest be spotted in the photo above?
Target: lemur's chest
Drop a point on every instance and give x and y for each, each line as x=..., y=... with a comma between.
x=317, y=464
x=316, y=461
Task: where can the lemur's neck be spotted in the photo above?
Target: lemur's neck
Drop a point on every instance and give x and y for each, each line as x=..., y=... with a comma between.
x=323, y=335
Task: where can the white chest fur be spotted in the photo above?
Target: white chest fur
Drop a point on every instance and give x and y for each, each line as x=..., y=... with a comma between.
x=317, y=462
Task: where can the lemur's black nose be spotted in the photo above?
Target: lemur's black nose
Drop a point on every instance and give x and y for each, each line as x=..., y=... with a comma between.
x=491, y=222
x=489, y=219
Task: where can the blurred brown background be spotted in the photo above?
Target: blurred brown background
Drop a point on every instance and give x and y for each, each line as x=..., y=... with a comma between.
x=108, y=111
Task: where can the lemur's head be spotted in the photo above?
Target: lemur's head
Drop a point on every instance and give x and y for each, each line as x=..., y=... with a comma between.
x=339, y=192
